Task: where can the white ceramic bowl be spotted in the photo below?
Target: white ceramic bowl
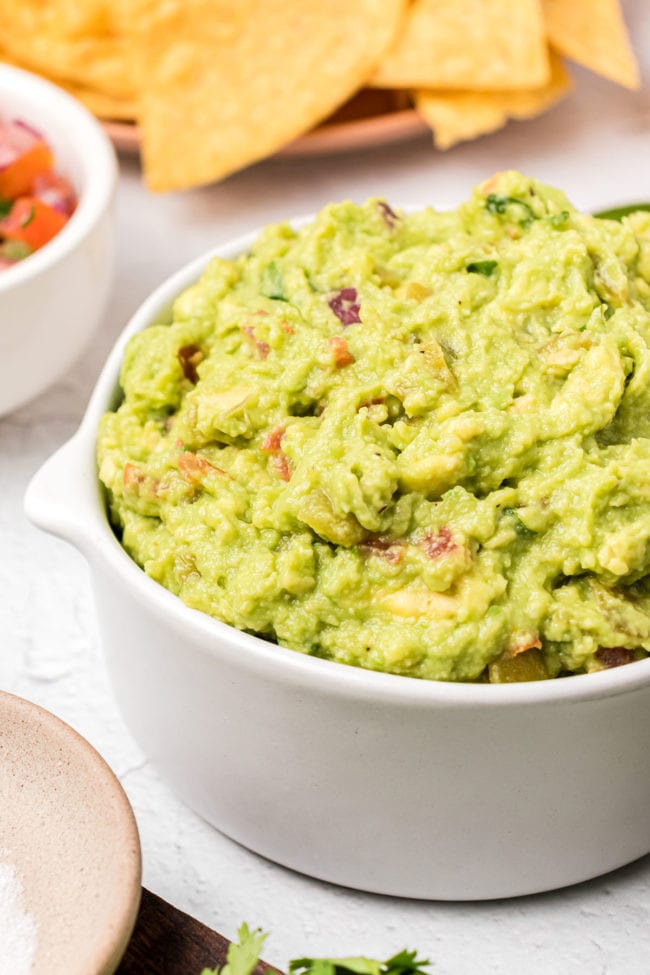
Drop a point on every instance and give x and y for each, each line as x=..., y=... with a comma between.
x=373, y=781
x=51, y=302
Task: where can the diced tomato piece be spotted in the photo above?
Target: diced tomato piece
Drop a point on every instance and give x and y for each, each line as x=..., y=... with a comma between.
x=16, y=138
x=23, y=156
x=17, y=178
x=55, y=190
x=194, y=467
x=263, y=348
x=272, y=442
x=132, y=476
x=281, y=465
x=32, y=221
x=340, y=352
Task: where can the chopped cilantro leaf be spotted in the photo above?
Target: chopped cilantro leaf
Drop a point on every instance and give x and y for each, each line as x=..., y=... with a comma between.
x=272, y=285
x=499, y=204
x=15, y=250
x=558, y=219
x=27, y=219
x=517, y=523
x=482, y=267
x=5, y=207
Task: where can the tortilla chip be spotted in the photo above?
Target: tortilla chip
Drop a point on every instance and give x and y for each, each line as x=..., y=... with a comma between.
x=592, y=33
x=477, y=44
x=68, y=40
x=99, y=103
x=456, y=116
x=104, y=106
x=226, y=84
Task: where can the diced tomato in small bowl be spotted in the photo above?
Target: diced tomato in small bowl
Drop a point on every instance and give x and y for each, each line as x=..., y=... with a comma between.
x=57, y=193
x=33, y=222
x=23, y=155
x=36, y=201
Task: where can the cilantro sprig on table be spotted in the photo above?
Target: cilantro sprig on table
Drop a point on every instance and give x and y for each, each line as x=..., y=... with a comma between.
x=243, y=956
x=403, y=963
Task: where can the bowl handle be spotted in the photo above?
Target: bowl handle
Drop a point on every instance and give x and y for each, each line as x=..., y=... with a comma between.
x=62, y=495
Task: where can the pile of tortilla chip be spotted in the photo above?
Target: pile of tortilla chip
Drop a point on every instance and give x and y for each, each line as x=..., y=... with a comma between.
x=215, y=85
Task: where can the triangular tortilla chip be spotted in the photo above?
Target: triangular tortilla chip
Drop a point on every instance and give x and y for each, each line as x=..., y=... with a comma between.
x=477, y=44
x=69, y=41
x=592, y=33
x=100, y=103
x=226, y=84
x=456, y=116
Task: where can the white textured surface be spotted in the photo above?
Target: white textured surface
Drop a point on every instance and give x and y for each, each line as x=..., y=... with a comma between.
x=17, y=931
x=596, y=146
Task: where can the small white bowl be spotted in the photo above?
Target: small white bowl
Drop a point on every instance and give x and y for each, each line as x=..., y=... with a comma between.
x=51, y=302
x=384, y=783
x=68, y=833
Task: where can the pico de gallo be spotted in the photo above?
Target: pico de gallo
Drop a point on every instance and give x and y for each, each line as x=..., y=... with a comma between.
x=36, y=201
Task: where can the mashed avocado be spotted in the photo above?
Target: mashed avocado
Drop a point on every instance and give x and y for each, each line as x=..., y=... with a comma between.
x=413, y=443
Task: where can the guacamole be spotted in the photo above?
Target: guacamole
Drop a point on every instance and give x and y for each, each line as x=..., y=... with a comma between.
x=415, y=443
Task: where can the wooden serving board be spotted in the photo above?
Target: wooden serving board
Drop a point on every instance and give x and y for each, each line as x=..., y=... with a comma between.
x=166, y=941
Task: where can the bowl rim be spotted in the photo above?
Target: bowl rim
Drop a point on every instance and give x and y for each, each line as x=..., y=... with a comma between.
x=94, y=153
x=251, y=652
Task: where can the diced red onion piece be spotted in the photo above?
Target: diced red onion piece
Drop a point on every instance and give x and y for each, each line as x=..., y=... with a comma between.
x=16, y=138
x=390, y=549
x=56, y=191
x=439, y=544
x=34, y=133
x=345, y=306
x=614, y=656
x=389, y=215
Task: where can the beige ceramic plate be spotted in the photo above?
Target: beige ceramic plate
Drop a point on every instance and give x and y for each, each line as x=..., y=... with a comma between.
x=67, y=828
x=372, y=117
